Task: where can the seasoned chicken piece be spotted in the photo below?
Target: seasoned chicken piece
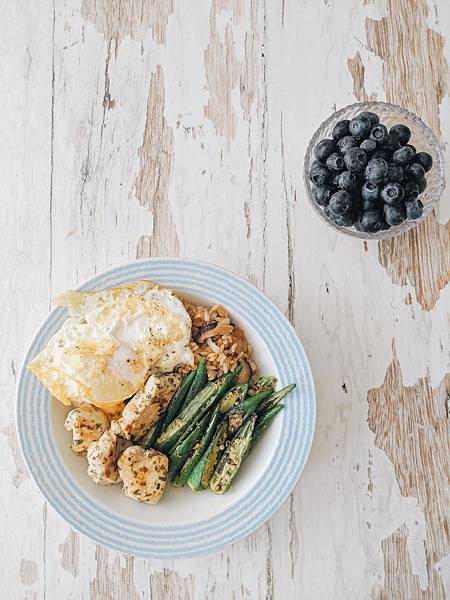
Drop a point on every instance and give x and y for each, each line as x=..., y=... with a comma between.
x=87, y=424
x=144, y=473
x=102, y=458
x=145, y=407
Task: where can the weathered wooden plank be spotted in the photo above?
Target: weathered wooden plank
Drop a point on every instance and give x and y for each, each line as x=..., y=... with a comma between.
x=412, y=52
x=411, y=426
x=25, y=154
x=152, y=181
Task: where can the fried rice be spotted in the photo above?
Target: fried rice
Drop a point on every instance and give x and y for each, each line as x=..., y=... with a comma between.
x=216, y=338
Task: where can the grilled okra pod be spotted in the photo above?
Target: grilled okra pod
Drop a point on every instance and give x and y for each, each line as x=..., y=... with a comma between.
x=238, y=414
x=275, y=398
x=232, y=458
x=263, y=421
x=177, y=401
x=172, y=434
x=194, y=411
x=211, y=457
x=262, y=385
x=195, y=478
x=199, y=382
x=170, y=413
x=155, y=434
x=233, y=396
x=199, y=449
x=181, y=453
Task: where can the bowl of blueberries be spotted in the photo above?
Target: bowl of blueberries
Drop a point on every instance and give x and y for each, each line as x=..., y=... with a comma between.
x=374, y=170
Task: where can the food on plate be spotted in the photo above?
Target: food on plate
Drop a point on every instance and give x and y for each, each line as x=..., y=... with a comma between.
x=112, y=341
x=232, y=397
x=146, y=406
x=160, y=389
x=240, y=413
x=197, y=451
x=263, y=384
x=87, y=424
x=180, y=454
x=232, y=458
x=201, y=404
x=203, y=471
x=216, y=338
x=144, y=474
x=102, y=458
x=275, y=398
x=369, y=177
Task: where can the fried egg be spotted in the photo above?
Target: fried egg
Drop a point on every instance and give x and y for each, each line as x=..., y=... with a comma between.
x=112, y=341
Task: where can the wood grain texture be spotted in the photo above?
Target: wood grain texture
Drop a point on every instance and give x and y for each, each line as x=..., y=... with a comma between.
x=225, y=72
x=113, y=579
x=70, y=553
x=400, y=579
x=140, y=128
x=358, y=71
x=411, y=424
x=117, y=19
x=152, y=181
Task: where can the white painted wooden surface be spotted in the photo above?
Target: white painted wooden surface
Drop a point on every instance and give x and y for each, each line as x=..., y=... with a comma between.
x=161, y=127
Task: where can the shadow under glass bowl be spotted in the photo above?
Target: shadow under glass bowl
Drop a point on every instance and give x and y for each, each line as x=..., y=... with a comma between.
x=422, y=138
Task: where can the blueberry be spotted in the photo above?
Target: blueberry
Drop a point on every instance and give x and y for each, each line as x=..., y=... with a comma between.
x=411, y=190
x=424, y=159
x=379, y=134
x=368, y=205
x=341, y=203
x=355, y=159
x=394, y=215
x=373, y=117
x=340, y=130
x=343, y=220
x=376, y=170
x=395, y=173
x=335, y=178
x=346, y=143
x=319, y=174
x=360, y=127
x=413, y=148
x=335, y=162
x=371, y=221
x=370, y=191
x=415, y=171
x=324, y=148
x=403, y=156
x=322, y=194
x=385, y=154
x=392, y=194
x=402, y=132
x=414, y=209
x=392, y=143
x=348, y=181
x=368, y=145
x=422, y=183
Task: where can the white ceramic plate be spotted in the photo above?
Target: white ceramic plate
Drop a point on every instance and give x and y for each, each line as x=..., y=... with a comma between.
x=183, y=523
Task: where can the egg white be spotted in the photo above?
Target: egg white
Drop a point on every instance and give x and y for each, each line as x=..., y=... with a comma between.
x=112, y=341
